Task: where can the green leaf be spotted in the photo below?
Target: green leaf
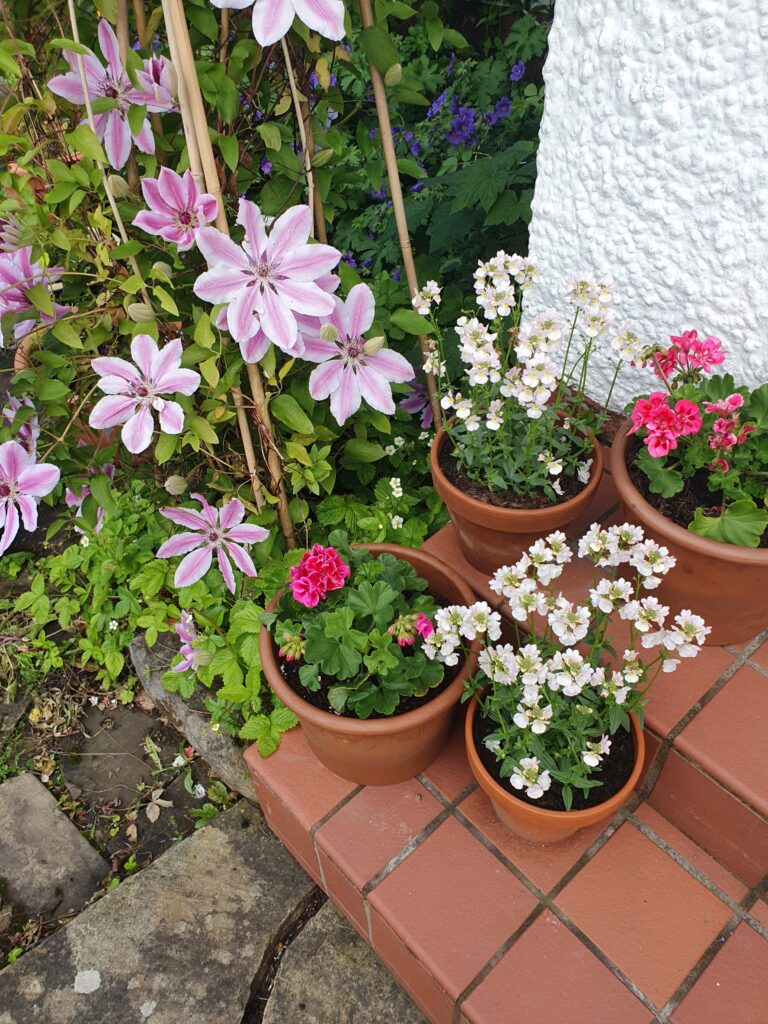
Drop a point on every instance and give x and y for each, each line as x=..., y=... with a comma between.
x=166, y=301
x=50, y=390
x=114, y=662
x=662, y=479
x=373, y=601
x=83, y=140
x=61, y=43
x=287, y=410
x=226, y=664
x=742, y=523
x=202, y=428
x=435, y=33
x=230, y=150
x=270, y=133
x=136, y=117
x=204, y=21
x=165, y=447
x=408, y=166
x=408, y=320
x=359, y=450
x=101, y=489
x=379, y=48
x=40, y=298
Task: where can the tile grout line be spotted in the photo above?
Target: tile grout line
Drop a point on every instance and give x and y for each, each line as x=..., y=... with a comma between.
x=334, y=810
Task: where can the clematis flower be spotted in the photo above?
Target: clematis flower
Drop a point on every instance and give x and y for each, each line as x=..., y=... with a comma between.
x=111, y=82
x=186, y=632
x=132, y=392
x=273, y=18
x=269, y=279
x=177, y=209
x=158, y=80
x=221, y=530
x=22, y=485
x=18, y=274
x=349, y=373
x=418, y=402
x=28, y=430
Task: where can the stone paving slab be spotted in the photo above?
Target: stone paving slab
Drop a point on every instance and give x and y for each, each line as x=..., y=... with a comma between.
x=330, y=976
x=179, y=943
x=47, y=866
x=221, y=752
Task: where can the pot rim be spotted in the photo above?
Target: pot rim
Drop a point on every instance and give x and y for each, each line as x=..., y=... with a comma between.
x=511, y=514
x=540, y=814
x=669, y=530
x=373, y=726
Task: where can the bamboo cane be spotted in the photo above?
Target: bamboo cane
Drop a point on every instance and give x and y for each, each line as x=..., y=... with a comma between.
x=302, y=131
x=193, y=153
x=398, y=206
x=319, y=210
x=199, y=125
x=132, y=171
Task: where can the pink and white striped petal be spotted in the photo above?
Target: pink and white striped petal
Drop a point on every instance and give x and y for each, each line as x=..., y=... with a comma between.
x=181, y=544
x=225, y=567
x=323, y=16
x=111, y=411
x=359, y=310
x=39, y=480
x=375, y=390
x=11, y=527
x=137, y=431
x=247, y=533
x=241, y=558
x=272, y=20
x=193, y=567
x=231, y=514
x=171, y=418
x=310, y=262
x=345, y=401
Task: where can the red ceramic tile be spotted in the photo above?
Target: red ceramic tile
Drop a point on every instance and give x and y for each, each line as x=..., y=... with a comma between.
x=760, y=656
x=374, y=826
x=344, y=894
x=652, y=744
x=645, y=912
x=727, y=738
x=445, y=546
x=449, y=773
x=451, y=904
x=723, y=825
x=543, y=865
x=549, y=977
x=693, y=853
x=605, y=500
x=291, y=834
x=760, y=912
x=734, y=987
x=673, y=695
x=305, y=787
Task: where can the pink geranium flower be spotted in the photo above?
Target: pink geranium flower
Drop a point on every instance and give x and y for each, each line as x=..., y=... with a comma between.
x=111, y=82
x=177, y=208
x=17, y=274
x=348, y=373
x=133, y=392
x=273, y=18
x=319, y=571
x=220, y=530
x=688, y=416
x=22, y=485
x=269, y=279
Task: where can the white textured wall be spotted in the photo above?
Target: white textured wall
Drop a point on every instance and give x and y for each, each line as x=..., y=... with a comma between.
x=653, y=169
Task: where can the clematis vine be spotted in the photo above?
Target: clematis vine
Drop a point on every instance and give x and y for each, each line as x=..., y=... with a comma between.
x=17, y=275
x=351, y=367
x=211, y=530
x=269, y=279
x=133, y=392
x=112, y=82
x=22, y=485
x=273, y=18
x=177, y=208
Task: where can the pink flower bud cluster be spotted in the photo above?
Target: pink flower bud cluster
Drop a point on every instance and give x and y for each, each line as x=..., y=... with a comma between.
x=688, y=353
x=319, y=571
x=664, y=423
x=727, y=431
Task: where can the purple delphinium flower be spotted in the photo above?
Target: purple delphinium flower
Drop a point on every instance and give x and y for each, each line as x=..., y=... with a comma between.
x=17, y=275
x=349, y=259
x=500, y=110
x=397, y=273
x=221, y=530
x=417, y=187
x=28, y=431
x=373, y=132
x=268, y=279
x=22, y=485
x=177, y=209
x=462, y=131
x=379, y=195
x=437, y=105
x=133, y=392
x=110, y=82
x=418, y=402
x=517, y=72
x=273, y=18
x=347, y=373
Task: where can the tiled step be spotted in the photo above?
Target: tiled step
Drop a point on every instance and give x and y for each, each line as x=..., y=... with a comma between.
x=628, y=922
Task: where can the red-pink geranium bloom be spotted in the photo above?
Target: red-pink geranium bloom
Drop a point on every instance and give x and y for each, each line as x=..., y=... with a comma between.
x=273, y=18
x=347, y=372
x=688, y=416
x=319, y=571
x=424, y=626
x=269, y=279
x=22, y=485
x=221, y=530
x=177, y=208
x=697, y=354
x=645, y=409
x=17, y=274
x=110, y=82
x=726, y=405
x=133, y=392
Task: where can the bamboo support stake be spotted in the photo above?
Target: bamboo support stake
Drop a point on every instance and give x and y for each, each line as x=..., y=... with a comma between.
x=398, y=207
x=319, y=210
x=199, y=126
x=123, y=41
x=302, y=131
x=193, y=152
x=224, y=35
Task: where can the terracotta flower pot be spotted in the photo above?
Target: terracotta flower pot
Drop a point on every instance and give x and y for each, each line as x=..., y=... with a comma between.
x=724, y=583
x=490, y=536
x=380, y=751
x=536, y=824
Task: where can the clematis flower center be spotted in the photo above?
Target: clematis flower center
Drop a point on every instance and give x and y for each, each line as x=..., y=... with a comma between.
x=7, y=490
x=353, y=349
x=142, y=391
x=264, y=271
x=186, y=219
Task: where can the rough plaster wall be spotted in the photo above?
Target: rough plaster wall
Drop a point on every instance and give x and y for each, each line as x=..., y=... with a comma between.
x=653, y=169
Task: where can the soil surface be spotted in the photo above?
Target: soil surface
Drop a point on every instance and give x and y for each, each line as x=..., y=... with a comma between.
x=680, y=508
x=615, y=770
x=502, y=499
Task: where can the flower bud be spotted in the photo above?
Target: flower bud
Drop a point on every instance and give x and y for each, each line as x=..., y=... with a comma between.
x=175, y=485
x=394, y=75
x=119, y=186
x=329, y=333
x=374, y=345
x=163, y=268
x=140, y=313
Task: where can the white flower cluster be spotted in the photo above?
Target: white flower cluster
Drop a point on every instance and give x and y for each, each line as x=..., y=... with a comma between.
x=529, y=776
x=496, y=281
x=533, y=380
x=593, y=296
x=457, y=623
x=429, y=295
x=627, y=345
